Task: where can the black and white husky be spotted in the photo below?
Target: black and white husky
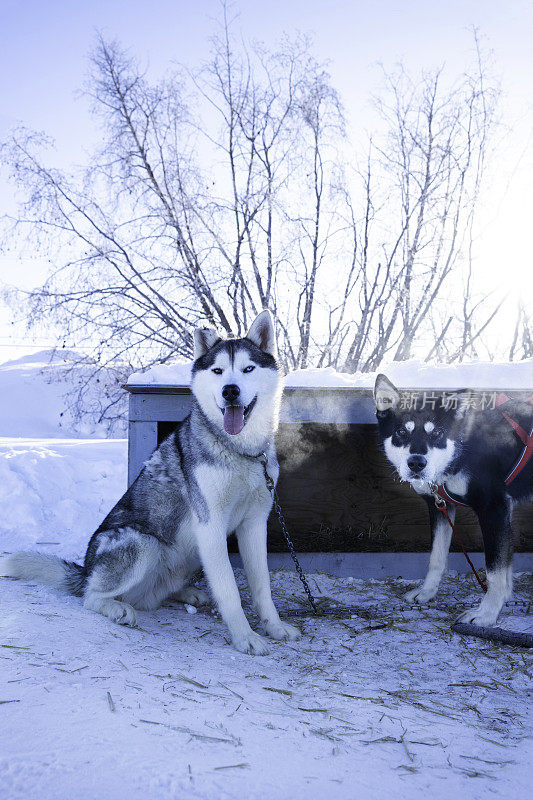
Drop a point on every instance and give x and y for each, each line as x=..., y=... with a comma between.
x=472, y=457
x=203, y=482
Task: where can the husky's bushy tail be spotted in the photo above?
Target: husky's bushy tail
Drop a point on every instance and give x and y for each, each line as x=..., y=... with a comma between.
x=43, y=568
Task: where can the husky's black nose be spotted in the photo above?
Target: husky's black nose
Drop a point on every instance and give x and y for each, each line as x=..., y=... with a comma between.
x=416, y=463
x=230, y=392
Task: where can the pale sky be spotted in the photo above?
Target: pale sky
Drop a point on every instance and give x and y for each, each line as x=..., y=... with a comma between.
x=43, y=62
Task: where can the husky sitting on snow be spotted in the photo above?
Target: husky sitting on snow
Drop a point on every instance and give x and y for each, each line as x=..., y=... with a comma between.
x=478, y=459
x=204, y=482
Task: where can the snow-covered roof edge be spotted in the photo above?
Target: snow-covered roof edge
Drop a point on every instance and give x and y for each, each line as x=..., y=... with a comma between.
x=405, y=374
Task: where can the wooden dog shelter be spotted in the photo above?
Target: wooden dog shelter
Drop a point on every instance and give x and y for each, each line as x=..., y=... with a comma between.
x=347, y=512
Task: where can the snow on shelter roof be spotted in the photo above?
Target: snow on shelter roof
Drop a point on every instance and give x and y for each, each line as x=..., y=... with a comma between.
x=410, y=374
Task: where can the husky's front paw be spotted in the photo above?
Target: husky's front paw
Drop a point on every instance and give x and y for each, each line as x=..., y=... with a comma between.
x=250, y=642
x=421, y=594
x=282, y=631
x=479, y=616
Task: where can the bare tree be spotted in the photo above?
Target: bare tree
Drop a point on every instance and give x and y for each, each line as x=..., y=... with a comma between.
x=431, y=164
x=522, y=343
x=218, y=193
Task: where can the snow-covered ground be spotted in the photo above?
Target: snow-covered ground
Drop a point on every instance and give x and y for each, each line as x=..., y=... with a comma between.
x=90, y=710
x=170, y=710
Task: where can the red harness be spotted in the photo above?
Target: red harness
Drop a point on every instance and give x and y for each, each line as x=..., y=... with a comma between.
x=527, y=441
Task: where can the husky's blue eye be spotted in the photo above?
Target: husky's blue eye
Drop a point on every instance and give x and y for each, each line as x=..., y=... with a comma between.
x=217, y=370
x=249, y=368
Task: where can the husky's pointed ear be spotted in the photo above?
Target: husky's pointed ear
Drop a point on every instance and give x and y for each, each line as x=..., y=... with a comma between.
x=204, y=340
x=262, y=333
x=386, y=395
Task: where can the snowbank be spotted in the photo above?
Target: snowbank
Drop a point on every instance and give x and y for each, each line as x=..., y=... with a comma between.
x=33, y=400
x=405, y=374
x=55, y=492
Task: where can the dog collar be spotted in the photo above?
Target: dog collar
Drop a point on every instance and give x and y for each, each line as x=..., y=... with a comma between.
x=442, y=492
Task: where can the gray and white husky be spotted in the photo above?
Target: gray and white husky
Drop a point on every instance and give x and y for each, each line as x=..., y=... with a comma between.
x=203, y=482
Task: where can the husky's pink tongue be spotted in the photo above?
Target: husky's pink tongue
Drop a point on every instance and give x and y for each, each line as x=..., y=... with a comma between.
x=233, y=419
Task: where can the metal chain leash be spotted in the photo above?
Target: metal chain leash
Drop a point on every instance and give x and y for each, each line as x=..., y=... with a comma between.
x=340, y=610
x=271, y=486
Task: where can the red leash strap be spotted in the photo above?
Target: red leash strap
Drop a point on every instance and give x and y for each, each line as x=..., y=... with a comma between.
x=472, y=567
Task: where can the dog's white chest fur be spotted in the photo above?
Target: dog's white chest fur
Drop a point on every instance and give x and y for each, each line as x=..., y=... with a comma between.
x=230, y=493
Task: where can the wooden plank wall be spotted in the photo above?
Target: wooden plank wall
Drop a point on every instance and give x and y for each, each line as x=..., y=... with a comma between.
x=339, y=494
